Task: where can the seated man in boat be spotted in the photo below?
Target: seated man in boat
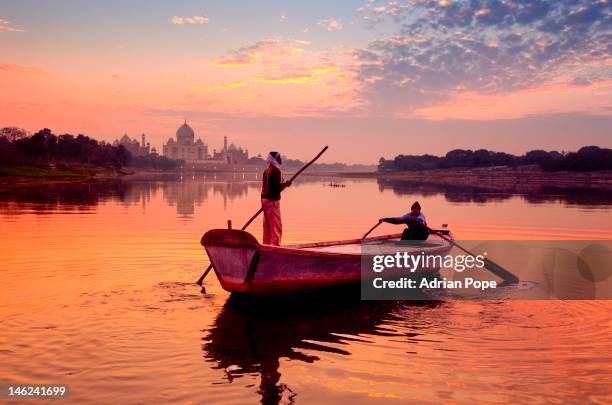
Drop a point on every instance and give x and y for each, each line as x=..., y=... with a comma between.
x=417, y=224
x=270, y=200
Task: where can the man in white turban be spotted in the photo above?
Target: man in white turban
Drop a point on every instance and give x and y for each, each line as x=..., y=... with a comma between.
x=270, y=200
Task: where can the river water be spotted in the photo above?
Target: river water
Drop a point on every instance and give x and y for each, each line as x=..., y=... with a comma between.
x=98, y=293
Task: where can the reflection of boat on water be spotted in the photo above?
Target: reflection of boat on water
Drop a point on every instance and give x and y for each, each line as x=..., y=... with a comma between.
x=251, y=336
x=244, y=265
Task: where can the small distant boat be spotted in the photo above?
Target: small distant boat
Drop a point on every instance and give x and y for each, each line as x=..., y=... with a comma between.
x=243, y=265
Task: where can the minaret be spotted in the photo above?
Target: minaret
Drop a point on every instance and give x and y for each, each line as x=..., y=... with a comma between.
x=143, y=140
x=225, y=148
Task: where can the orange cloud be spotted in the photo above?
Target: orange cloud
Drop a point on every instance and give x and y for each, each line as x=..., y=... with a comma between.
x=229, y=86
x=323, y=70
x=269, y=48
x=20, y=69
x=286, y=77
x=287, y=80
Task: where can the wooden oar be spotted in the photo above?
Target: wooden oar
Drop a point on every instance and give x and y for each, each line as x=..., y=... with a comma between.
x=201, y=279
x=371, y=229
x=490, y=265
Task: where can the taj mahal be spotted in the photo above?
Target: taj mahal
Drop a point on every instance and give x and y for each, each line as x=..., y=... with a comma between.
x=186, y=148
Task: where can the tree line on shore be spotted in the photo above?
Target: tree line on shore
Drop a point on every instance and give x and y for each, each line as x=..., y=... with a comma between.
x=45, y=148
x=588, y=158
x=17, y=148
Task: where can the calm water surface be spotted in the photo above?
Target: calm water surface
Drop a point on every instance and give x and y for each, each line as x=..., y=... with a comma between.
x=98, y=293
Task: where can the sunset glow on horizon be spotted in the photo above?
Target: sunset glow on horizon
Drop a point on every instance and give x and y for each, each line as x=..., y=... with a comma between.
x=368, y=78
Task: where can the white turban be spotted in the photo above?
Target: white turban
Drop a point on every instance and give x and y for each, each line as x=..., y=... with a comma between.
x=272, y=160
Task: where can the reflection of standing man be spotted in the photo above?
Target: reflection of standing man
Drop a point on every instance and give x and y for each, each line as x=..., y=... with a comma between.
x=270, y=200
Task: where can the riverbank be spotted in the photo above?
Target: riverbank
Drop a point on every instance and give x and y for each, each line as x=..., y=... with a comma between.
x=37, y=172
x=499, y=177
x=36, y=175
x=41, y=174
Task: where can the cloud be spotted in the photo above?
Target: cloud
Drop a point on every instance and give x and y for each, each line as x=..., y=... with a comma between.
x=285, y=74
x=266, y=49
x=394, y=9
x=298, y=79
x=580, y=81
x=20, y=69
x=229, y=86
x=442, y=49
x=373, y=14
x=331, y=24
x=6, y=26
x=193, y=20
x=310, y=76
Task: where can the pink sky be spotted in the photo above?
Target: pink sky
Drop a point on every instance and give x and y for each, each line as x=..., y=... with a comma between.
x=365, y=87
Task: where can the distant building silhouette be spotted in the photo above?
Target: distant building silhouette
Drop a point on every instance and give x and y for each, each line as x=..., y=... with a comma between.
x=186, y=149
x=133, y=146
x=233, y=155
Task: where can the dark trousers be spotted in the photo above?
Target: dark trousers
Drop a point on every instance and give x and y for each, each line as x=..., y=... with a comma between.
x=415, y=233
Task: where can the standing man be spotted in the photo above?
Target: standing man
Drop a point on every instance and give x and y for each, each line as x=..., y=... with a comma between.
x=270, y=200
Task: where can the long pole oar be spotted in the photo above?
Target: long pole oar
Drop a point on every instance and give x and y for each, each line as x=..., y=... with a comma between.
x=371, y=229
x=201, y=279
x=490, y=265
x=290, y=180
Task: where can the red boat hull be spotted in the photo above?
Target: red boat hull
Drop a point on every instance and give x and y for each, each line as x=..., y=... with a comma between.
x=246, y=266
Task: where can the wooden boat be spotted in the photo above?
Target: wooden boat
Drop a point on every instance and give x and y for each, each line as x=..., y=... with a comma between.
x=244, y=265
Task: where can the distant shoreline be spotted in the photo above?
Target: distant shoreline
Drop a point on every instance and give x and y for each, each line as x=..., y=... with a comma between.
x=39, y=174
x=499, y=177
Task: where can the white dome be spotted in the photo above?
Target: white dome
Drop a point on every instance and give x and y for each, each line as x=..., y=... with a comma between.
x=185, y=133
